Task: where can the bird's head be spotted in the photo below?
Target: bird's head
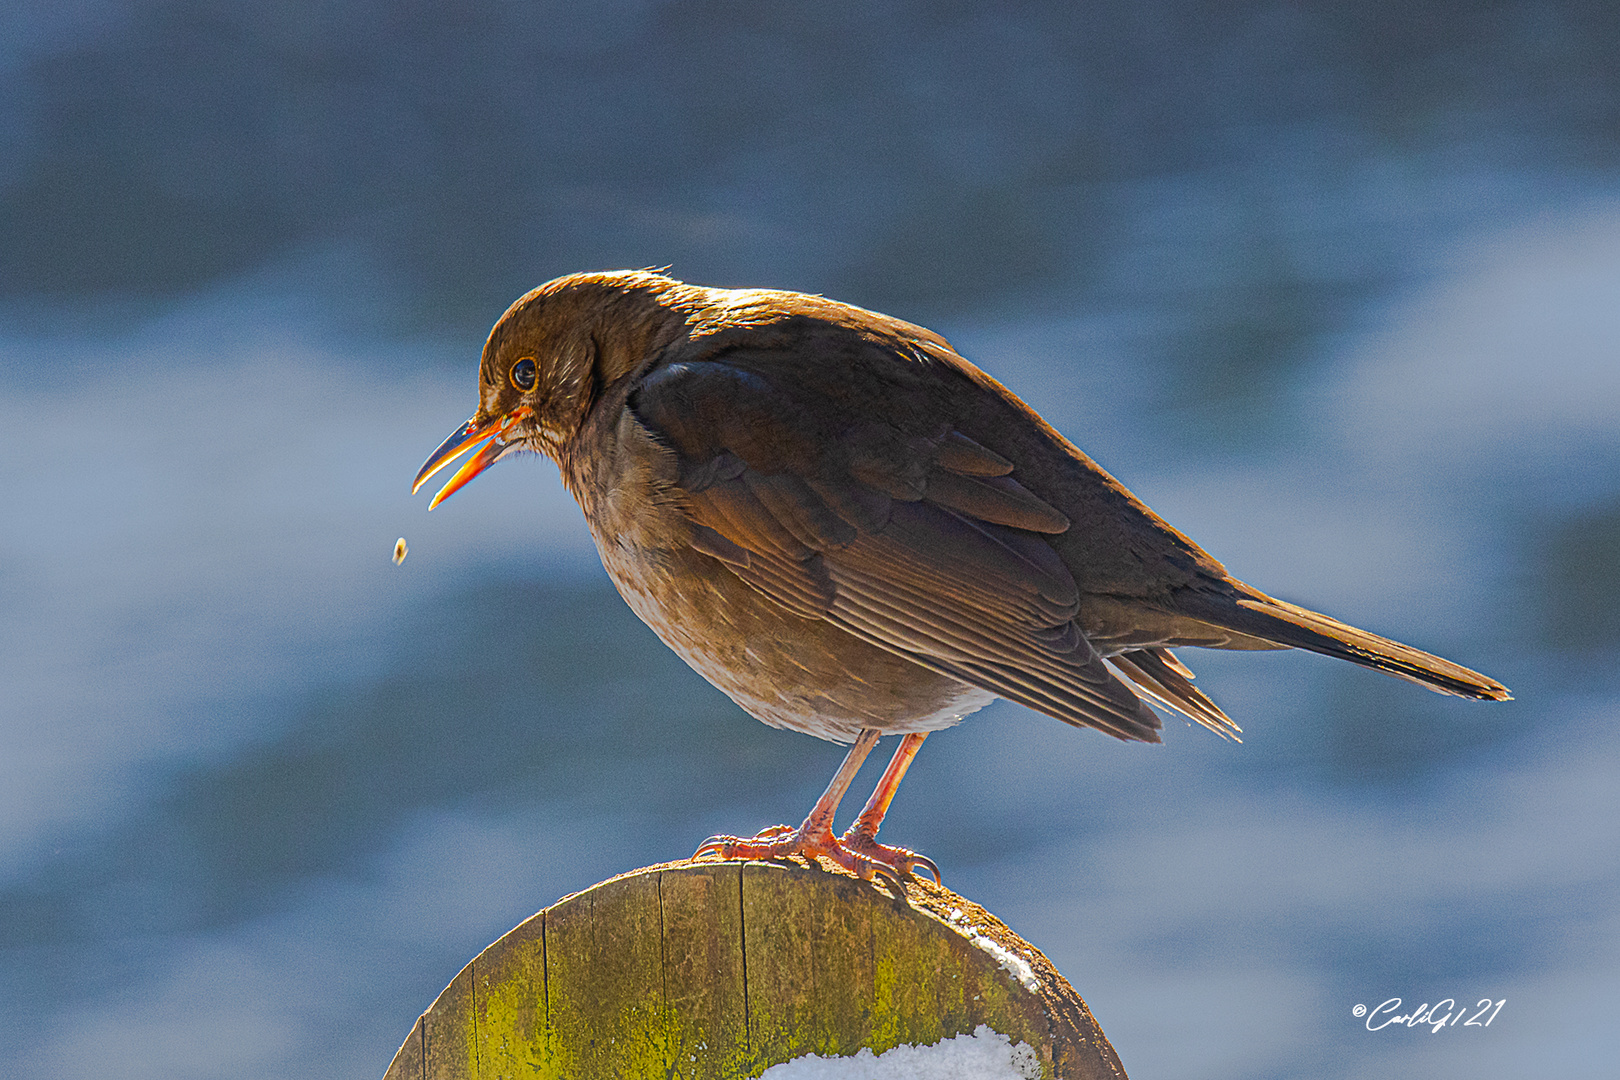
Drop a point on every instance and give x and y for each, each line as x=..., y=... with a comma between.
x=550, y=357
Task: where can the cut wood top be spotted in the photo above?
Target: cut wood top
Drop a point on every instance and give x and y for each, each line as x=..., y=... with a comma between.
x=714, y=971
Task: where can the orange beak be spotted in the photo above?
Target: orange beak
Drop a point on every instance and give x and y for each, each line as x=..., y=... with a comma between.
x=461, y=440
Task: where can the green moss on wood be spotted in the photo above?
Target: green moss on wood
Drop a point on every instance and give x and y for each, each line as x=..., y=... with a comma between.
x=716, y=971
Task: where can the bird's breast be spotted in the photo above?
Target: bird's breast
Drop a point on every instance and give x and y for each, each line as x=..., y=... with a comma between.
x=785, y=669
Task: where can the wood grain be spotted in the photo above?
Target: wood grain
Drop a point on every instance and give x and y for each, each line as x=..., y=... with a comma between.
x=716, y=971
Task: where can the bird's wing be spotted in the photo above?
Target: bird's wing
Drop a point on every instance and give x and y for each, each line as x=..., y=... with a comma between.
x=837, y=488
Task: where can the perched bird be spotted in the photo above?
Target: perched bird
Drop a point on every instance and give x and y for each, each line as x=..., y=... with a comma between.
x=854, y=532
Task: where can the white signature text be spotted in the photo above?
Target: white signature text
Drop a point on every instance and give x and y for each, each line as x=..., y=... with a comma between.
x=1442, y=1014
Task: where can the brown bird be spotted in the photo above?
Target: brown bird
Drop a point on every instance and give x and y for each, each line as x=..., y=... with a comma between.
x=853, y=532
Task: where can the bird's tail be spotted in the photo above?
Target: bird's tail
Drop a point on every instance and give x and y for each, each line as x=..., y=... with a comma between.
x=1168, y=682
x=1253, y=613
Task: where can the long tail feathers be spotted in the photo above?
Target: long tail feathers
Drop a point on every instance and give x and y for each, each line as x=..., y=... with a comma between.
x=1254, y=613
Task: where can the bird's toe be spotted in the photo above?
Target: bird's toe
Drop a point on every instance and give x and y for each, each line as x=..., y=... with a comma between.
x=899, y=860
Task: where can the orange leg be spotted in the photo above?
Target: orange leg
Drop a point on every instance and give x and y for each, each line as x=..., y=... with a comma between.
x=857, y=851
x=813, y=837
x=861, y=837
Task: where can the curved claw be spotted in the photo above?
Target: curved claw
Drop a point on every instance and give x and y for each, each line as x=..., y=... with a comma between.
x=714, y=845
x=724, y=845
x=898, y=859
x=927, y=864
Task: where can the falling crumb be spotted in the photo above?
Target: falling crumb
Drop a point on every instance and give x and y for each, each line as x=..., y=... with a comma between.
x=399, y=551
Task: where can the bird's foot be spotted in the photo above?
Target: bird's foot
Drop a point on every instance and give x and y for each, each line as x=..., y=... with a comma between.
x=903, y=861
x=813, y=839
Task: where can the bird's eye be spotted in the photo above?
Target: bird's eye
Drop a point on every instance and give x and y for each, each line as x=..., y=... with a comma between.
x=522, y=374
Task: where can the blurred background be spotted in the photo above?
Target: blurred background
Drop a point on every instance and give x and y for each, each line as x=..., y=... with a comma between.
x=1334, y=288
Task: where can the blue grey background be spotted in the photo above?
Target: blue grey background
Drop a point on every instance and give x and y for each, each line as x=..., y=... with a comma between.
x=1335, y=288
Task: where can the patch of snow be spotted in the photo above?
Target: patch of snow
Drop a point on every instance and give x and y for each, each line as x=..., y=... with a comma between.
x=983, y=1055
x=1010, y=962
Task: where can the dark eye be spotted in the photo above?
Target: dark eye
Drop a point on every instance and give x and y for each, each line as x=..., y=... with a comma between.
x=523, y=374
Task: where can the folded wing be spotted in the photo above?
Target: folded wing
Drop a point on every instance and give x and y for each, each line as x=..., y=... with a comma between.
x=915, y=539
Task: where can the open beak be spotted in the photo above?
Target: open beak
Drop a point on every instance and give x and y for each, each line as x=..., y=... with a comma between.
x=461, y=440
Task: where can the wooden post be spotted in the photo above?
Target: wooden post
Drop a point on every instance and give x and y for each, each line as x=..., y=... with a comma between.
x=715, y=971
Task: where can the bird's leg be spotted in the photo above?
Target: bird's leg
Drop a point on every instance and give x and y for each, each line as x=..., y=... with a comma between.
x=861, y=837
x=813, y=837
